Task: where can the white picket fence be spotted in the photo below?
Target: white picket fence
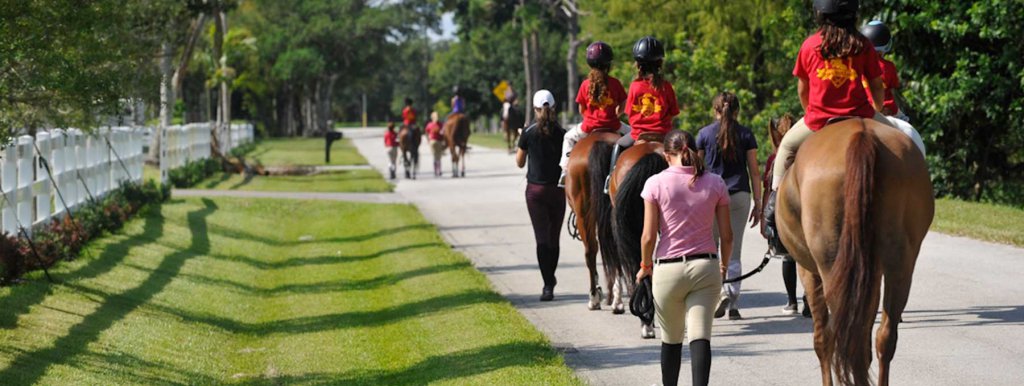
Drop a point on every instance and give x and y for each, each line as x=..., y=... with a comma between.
x=81, y=165
x=191, y=142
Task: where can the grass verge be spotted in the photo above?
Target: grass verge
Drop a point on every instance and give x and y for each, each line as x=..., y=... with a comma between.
x=490, y=140
x=304, y=152
x=204, y=291
x=990, y=222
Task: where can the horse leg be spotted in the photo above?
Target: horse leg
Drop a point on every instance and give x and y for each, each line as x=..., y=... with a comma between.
x=814, y=290
x=897, y=290
x=462, y=162
x=590, y=252
x=618, y=307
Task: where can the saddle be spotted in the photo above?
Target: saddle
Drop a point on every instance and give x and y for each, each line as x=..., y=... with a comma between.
x=650, y=137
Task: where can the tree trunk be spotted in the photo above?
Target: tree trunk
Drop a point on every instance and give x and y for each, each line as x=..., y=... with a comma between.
x=528, y=74
x=166, y=101
x=570, y=65
x=225, y=92
x=535, y=59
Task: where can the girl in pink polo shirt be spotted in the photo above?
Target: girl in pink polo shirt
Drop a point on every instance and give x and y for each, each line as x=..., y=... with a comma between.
x=682, y=204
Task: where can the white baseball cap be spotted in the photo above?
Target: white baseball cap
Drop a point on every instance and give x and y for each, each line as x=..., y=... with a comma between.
x=543, y=97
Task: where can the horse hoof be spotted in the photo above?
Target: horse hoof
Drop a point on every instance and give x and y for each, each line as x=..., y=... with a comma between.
x=647, y=332
x=619, y=309
x=594, y=306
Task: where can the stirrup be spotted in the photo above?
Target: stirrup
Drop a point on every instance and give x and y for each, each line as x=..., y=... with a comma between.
x=561, y=180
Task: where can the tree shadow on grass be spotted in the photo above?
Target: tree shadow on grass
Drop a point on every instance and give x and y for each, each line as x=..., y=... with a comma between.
x=245, y=181
x=213, y=183
x=29, y=367
x=454, y=366
x=293, y=262
x=342, y=320
x=22, y=297
x=332, y=286
x=228, y=232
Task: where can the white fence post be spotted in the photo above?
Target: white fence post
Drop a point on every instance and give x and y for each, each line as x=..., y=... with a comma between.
x=9, y=180
x=25, y=177
x=41, y=191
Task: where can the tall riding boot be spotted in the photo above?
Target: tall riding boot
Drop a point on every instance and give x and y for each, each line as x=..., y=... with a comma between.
x=671, y=361
x=700, y=361
x=771, y=229
x=615, y=158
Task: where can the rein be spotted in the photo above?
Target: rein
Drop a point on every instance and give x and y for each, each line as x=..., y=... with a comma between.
x=764, y=262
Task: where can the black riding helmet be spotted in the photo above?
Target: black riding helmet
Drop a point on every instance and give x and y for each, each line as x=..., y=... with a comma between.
x=837, y=9
x=599, y=54
x=648, y=50
x=879, y=35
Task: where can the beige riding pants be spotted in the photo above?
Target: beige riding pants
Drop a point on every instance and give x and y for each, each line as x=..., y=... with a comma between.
x=392, y=155
x=685, y=296
x=438, y=147
x=800, y=132
x=575, y=135
x=739, y=212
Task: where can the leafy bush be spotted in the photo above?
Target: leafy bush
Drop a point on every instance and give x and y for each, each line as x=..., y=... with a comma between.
x=193, y=172
x=64, y=237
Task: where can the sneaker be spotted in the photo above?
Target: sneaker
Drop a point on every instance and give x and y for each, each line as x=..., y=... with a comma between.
x=790, y=309
x=734, y=314
x=723, y=305
x=547, y=294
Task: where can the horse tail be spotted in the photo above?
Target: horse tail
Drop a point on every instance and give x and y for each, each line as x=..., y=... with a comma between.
x=628, y=218
x=853, y=288
x=598, y=167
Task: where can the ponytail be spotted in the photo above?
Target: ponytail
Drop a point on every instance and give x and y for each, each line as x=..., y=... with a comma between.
x=839, y=38
x=598, y=84
x=650, y=71
x=727, y=105
x=682, y=143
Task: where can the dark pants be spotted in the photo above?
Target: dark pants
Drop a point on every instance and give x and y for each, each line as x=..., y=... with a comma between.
x=546, y=204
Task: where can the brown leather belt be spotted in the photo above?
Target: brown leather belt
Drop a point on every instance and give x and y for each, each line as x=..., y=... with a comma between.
x=686, y=258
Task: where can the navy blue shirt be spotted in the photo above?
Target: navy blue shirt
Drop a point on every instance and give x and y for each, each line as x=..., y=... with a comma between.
x=734, y=172
x=542, y=153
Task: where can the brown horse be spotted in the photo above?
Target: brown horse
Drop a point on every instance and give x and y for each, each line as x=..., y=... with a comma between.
x=511, y=125
x=456, y=133
x=409, y=143
x=584, y=182
x=635, y=165
x=853, y=211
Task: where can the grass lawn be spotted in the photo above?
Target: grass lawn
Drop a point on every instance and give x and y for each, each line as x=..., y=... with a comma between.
x=304, y=151
x=356, y=181
x=491, y=140
x=1001, y=224
x=240, y=291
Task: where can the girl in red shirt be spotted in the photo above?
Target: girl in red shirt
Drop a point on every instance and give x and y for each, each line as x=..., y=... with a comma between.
x=651, y=104
x=408, y=113
x=391, y=143
x=437, y=143
x=881, y=38
x=601, y=99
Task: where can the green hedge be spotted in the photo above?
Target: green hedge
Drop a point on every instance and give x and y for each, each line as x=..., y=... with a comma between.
x=63, y=238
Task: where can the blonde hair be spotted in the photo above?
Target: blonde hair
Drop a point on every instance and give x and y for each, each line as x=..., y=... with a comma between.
x=433, y=116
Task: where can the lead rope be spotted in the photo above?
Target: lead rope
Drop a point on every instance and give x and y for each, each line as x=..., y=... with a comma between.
x=571, y=226
x=642, y=303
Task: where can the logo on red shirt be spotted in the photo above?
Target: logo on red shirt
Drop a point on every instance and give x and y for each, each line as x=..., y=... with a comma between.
x=838, y=72
x=648, y=105
x=603, y=102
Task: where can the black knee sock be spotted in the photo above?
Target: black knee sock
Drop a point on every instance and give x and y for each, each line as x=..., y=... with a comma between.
x=671, y=360
x=789, y=278
x=700, y=361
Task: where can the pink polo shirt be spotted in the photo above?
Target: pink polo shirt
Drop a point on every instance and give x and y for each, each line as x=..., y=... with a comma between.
x=687, y=211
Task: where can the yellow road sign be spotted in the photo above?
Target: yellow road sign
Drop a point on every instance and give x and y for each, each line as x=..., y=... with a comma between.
x=499, y=91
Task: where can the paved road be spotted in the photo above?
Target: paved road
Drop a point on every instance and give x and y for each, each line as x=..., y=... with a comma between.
x=964, y=324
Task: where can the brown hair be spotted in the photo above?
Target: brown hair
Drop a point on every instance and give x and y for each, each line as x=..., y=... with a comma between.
x=598, y=78
x=682, y=143
x=391, y=126
x=651, y=71
x=545, y=115
x=727, y=105
x=839, y=38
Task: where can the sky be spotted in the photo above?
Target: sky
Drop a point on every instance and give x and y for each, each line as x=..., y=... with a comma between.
x=447, y=28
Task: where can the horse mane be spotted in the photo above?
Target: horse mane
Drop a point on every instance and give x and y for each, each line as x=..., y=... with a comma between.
x=853, y=286
x=598, y=166
x=628, y=218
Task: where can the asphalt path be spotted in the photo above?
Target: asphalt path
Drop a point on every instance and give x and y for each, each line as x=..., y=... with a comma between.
x=964, y=324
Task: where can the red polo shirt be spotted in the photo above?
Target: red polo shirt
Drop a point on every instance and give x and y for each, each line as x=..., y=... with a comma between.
x=651, y=109
x=600, y=114
x=834, y=90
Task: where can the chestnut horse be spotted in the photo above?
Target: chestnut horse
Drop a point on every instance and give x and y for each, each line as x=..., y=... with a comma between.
x=456, y=132
x=635, y=165
x=409, y=143
x=584, y=185
x=853, y=211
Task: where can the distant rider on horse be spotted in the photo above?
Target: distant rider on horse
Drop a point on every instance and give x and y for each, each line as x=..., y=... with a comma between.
x=881, y=38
